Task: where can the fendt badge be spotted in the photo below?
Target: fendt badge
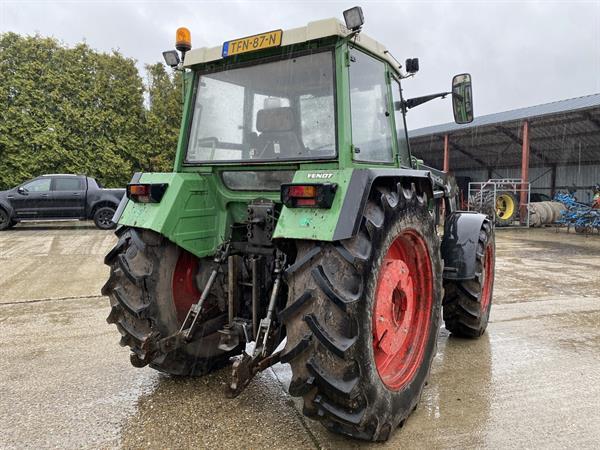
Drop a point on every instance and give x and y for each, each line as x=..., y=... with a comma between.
x=320, y=176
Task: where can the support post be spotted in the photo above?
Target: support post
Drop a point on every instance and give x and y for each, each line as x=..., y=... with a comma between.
x=446, y=153
x=524, y=173
x=553, y=181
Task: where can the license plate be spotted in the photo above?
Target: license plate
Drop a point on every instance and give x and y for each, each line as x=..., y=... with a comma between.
x=252, y=43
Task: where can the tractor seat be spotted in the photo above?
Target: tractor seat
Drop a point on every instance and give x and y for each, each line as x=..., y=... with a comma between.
x=278, y=137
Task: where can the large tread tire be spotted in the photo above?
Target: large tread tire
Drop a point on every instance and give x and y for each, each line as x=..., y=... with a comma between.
x=483, y=202
x=329, y=320
x=467, y=304
x=141, y=299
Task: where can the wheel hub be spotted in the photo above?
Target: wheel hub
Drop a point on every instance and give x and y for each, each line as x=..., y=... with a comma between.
x=402, y=309
x=185, y=291
x=395, y=301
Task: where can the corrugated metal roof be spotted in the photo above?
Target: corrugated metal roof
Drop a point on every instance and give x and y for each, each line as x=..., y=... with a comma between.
x=562, y=106
x=561, y=133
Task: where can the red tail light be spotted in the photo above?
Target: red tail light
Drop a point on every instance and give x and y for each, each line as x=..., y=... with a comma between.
x=308, y=195
x=146, y=193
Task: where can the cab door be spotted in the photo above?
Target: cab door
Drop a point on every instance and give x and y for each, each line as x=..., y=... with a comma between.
x=68, y=195
x=371, y=110
x=33, y=200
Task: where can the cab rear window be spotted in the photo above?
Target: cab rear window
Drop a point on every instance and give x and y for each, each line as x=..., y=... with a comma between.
x=264, y=180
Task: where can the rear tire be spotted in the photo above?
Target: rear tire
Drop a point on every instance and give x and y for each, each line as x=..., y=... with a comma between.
x=467, y=304
x=334, y=345
x=103, y=218
x=143, y=290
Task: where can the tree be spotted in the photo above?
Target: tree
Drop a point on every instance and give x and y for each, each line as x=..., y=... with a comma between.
x=75, y=110
x=163, y=117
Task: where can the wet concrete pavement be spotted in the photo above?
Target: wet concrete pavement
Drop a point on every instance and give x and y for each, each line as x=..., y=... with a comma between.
x=533, y=380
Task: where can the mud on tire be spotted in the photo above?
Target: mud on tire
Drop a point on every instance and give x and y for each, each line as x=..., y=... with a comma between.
x=142, y=265
x=329, y=317
x=467, y=303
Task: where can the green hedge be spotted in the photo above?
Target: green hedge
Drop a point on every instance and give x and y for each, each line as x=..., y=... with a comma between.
x=76, y=110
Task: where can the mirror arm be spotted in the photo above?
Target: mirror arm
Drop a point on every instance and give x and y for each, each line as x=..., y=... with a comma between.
x=412, y=102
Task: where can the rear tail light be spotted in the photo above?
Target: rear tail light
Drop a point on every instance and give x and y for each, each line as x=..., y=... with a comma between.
x=308, y=195
x=146, y=193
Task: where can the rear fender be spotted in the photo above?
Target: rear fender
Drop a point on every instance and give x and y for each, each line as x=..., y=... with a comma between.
x=459, y=246
x=360, y=187
x=343, y=219
x=189, y=213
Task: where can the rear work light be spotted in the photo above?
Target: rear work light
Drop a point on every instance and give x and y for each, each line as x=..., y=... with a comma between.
x=309, y=195
x=146, y=193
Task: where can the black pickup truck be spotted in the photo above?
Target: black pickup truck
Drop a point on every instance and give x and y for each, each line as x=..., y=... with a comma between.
x=59, y=197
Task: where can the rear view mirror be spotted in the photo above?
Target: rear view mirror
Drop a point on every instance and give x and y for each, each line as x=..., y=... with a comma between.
x=22, y=190
x=462, y=98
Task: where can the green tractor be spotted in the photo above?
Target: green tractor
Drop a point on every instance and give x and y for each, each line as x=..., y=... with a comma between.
x=296, y=220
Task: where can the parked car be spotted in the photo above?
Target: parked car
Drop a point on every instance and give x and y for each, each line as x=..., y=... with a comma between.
x=59, y=197
x=536, y=197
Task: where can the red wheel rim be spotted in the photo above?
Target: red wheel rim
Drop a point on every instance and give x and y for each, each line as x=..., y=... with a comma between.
x=185, y=291
x=488, y=278
x=402, y=310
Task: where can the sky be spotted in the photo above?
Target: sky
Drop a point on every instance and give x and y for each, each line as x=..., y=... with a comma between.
x=519, y=53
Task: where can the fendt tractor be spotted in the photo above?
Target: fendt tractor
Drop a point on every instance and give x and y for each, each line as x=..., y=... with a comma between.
x=297, y=228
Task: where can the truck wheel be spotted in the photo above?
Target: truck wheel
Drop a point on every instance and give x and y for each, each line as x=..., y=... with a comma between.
x=5, y=221
x=151, y=287
x=103, y=218
x=362, y=318
x=467, y=304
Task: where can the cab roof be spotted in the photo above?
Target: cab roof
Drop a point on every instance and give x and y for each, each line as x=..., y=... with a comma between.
x=313, y=30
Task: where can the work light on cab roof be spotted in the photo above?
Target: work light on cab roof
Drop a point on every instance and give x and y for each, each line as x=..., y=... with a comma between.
x=354, y=18
x=183, y=43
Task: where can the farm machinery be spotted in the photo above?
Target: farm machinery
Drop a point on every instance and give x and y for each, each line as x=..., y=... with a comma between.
x=297, y=227
x=583, y=218
x=500, y=199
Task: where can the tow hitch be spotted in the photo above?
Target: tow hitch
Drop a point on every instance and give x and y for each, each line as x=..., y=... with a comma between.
x=247, y=366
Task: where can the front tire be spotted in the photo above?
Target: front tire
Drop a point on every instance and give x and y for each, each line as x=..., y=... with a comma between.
x=346, y=297
x=467, y=303
x=5, y=222
x=152, y=284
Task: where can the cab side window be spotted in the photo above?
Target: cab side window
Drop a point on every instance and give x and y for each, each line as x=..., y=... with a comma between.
x=68, y=184
x=39, y=185
x=371, y=128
